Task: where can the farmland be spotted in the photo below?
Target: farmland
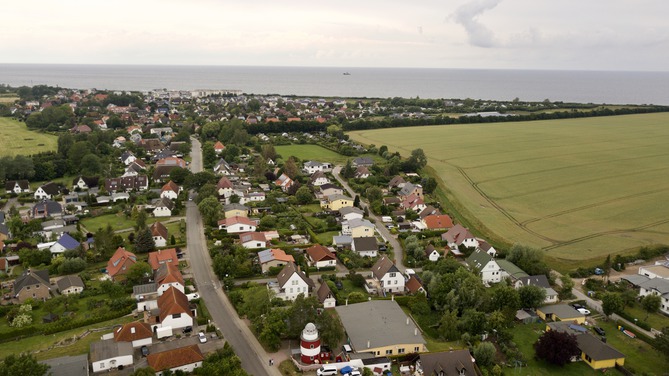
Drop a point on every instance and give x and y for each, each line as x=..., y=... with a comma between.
x=313, y=152
x=15, y=139
x=577, y=188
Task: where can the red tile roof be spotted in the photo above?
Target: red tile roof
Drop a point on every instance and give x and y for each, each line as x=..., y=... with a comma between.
x=171, y=302
x=133, y=331
x=434, y=222
x=319, y=253
x=159, y=229
x=120, y=262
x=170, y=186
x=163, y=256
x=175, y=358
x=237, y=219
x=219, y=146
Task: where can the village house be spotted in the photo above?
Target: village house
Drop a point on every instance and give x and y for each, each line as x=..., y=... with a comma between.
x=170, y=190
x=325, y=296
x=46, y=209
x=218, y=147
x=64, y=243
x=119, y=264
x=184, y=359
x=235, y=210
x=163, y=208
x=224, y=187
x=85, y=183
x=458, y=235
x=127, y=184
x=448, y=363
x=362, y=161
x=560, y=312
x=235, y=225
x=411, y=189
x=414, y=285
x=284, y=182
x=320, y=257
x=137, y=333
x=223, y=168
x=273, y=258
x=361, y=173
x=541, y=281
x=173, y=311
x=485, y=267
x=291, y=282
x=70, y=284
x=365, y=246
x=351, y=212
x=32, y=285
x=107, y=355
x=128, y=157
x=396, y=182
x=381, y=328
x=330, y=189
x=47, y=191
x=312, y=166
x=336, y=202
x=163, y=256
x=159, y=234
x=318, y=179
x=595, y=352
x=252, y=240
x=388, y=276
x=17, y=186
x=432, y=253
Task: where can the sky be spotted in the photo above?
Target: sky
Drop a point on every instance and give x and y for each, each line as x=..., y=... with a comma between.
x=487, y=34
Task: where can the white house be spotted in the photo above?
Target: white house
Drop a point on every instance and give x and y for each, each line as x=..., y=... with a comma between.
x=485, y=266
x=291, y=282
x=159, y=233
x=225, y=187
x=389, y=277
x=252, y=240
x=173, y=310
x=47, y=191
x=432, y=253
x=234, y=225
x=358, y=228
x=163, y=208
x=64, y=243
x=185, y=359
x=541, y=281
x=312, y=166
x=321, y=257
x=325, y=296
x=17, y=186
x=459, y=235
x=655, y=271
x=107, y=355
x=318, y=179
x=137, y=333
x=349, y=213
x=170, y=190
x=70, y=284
x=127, y=158
x=365, y=246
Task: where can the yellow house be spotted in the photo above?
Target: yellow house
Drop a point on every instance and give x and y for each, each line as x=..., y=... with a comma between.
x=336, y=202
x=235, y=210
x=598, y=354
x=381, y=328
x=560, y=312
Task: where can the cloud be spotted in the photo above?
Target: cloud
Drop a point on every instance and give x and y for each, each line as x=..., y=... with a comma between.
x=467, y=16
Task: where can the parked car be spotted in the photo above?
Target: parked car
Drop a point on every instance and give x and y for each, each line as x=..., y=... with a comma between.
x=202, y=337
x=576, y=306
x=145, y=351
x=583, y=311
x=187, y=329
x=600, y=331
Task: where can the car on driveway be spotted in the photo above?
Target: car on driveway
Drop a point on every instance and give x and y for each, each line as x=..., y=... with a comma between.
x=187, y=329
x=145, y=351
x=202, y=337
x=600, y=331
x=583, y=311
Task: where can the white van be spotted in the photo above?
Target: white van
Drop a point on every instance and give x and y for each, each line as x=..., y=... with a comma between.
x=327, y=370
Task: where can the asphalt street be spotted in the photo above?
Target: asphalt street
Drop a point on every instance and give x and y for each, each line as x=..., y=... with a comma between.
x=253, y=357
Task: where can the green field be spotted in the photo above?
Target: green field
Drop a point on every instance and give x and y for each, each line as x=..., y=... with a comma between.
x=578, y=188
x=315, y=153
x=15, y=139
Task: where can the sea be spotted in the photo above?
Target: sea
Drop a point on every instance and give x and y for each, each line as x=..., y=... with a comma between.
x=601, y=87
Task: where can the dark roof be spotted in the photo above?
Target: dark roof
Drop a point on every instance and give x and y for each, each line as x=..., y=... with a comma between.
x=69, y=281
x=537, y=280
x=68, y=365
x=50, y=207
x=24, y=184
x=367, y=243
x=68, y=242
x=383, y=266
x=51, y=188
x=31, y=278
x=288, y=271
x=451, y=363
x=596, y=349
x=91, y=181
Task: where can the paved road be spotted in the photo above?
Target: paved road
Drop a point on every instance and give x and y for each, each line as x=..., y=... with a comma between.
x=254, y=358
x=380, y=227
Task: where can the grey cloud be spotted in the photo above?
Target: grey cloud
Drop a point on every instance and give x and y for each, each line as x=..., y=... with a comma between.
x=467, y=16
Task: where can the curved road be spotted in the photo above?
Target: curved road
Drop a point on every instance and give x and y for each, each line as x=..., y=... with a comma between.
x=380, y=228
x=254, y=358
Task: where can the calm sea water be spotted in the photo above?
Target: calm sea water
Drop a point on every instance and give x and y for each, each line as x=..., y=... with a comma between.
x=531, y=85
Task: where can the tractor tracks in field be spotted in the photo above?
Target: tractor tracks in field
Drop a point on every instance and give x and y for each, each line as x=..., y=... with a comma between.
x=603, y=233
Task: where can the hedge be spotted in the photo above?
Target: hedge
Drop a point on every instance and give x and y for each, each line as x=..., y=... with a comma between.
x=641, y=324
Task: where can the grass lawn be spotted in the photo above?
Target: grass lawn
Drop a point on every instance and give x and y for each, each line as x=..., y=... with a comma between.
x=326, y=237
x=656, y=320
x=11, y=98
x=316, y=153
x=17, y=139
x=119, y=221
x=639, y=356
x=311, y=208
x=579, y=189
x=36, y=343
x=525, y=336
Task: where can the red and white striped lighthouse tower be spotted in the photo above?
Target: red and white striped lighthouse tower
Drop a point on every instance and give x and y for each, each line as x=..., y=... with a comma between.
x=310, y=344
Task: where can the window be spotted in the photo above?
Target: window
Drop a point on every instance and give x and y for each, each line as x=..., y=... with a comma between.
x=311, y=346
x=176, y=316
x=389, y=352
x=291, y=290
x=416, y=349
x=392, y=275
x=400, y=351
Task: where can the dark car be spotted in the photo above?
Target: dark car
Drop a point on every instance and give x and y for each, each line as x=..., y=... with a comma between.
x=188, y=329
x=600, y=331
x=339, y=285
x=576, y=306
x=145, y=351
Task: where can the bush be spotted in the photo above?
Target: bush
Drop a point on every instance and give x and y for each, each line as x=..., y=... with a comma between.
x=71, y=266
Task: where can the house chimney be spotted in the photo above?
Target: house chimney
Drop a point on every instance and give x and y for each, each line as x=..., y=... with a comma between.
x=407, y=321
x=415, y=331
x=369, y=344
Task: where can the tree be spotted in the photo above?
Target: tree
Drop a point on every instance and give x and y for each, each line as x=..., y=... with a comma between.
x=268, y=152
x=383, y=150
x=529, y=259
x=290, y=168
x=567, y=286
x=612, y=302
x=146, y=371
x=661, y=342
x=210, y=209
x=484, y=353
x=505, y=299
x=301, y=312
x=651, y=303
x=138, y=273
x=448, y=326
x=140, y=218
x=303, y=195
x=416, y=161
x=330, y=329
x=223, y=362
x=607, y=267
x=374, y=194
x=24, y=365
x=347, y=171
x=556, y=347
x=90, y=165
x=179, y=175
x=71, y=266
x=531, y=296
x=144, y=242
x=429, y=184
